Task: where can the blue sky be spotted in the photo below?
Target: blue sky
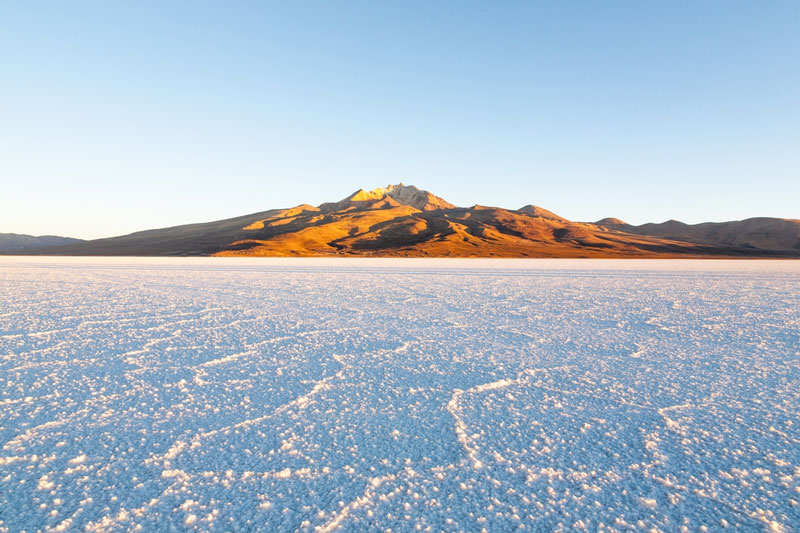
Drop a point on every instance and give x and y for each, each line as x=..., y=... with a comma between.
x=121, y=116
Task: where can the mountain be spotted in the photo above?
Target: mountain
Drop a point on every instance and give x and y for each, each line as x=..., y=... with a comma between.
x=393, y=195
x=404, y=221
x=537, y=211
x=774, y=234
x=611, y=221
x=15, y=242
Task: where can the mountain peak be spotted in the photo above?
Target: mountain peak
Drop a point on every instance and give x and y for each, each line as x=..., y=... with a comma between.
x=402, y=194
x=380, y=191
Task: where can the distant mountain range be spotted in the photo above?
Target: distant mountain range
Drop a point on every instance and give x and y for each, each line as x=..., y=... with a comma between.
x=404, y=221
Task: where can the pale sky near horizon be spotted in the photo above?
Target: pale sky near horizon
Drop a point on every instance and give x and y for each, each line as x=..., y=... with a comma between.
x=122, y=116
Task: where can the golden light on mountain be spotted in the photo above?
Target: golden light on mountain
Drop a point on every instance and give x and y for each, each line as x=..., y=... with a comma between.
x=404, y=221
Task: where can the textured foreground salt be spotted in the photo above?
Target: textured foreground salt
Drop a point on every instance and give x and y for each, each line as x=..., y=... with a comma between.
x=417, y=394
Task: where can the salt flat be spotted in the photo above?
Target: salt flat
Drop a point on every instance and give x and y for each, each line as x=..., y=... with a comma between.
x=323, y=395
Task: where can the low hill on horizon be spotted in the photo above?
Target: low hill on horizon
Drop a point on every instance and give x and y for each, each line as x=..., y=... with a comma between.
x=17, y=242
x=760, y=233
x=404, y=221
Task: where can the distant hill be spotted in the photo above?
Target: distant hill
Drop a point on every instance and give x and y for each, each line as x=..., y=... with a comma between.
x=537, y=211
x=776, y=234
x=15, y=242
x=404, y=221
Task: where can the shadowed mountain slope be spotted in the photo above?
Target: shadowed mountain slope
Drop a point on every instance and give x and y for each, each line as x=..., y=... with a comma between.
x=404, y=221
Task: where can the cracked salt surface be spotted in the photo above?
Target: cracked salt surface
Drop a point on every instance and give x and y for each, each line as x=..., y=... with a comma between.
x=326, y=395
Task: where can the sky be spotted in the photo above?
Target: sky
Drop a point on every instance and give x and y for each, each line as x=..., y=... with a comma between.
x=122, y=116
